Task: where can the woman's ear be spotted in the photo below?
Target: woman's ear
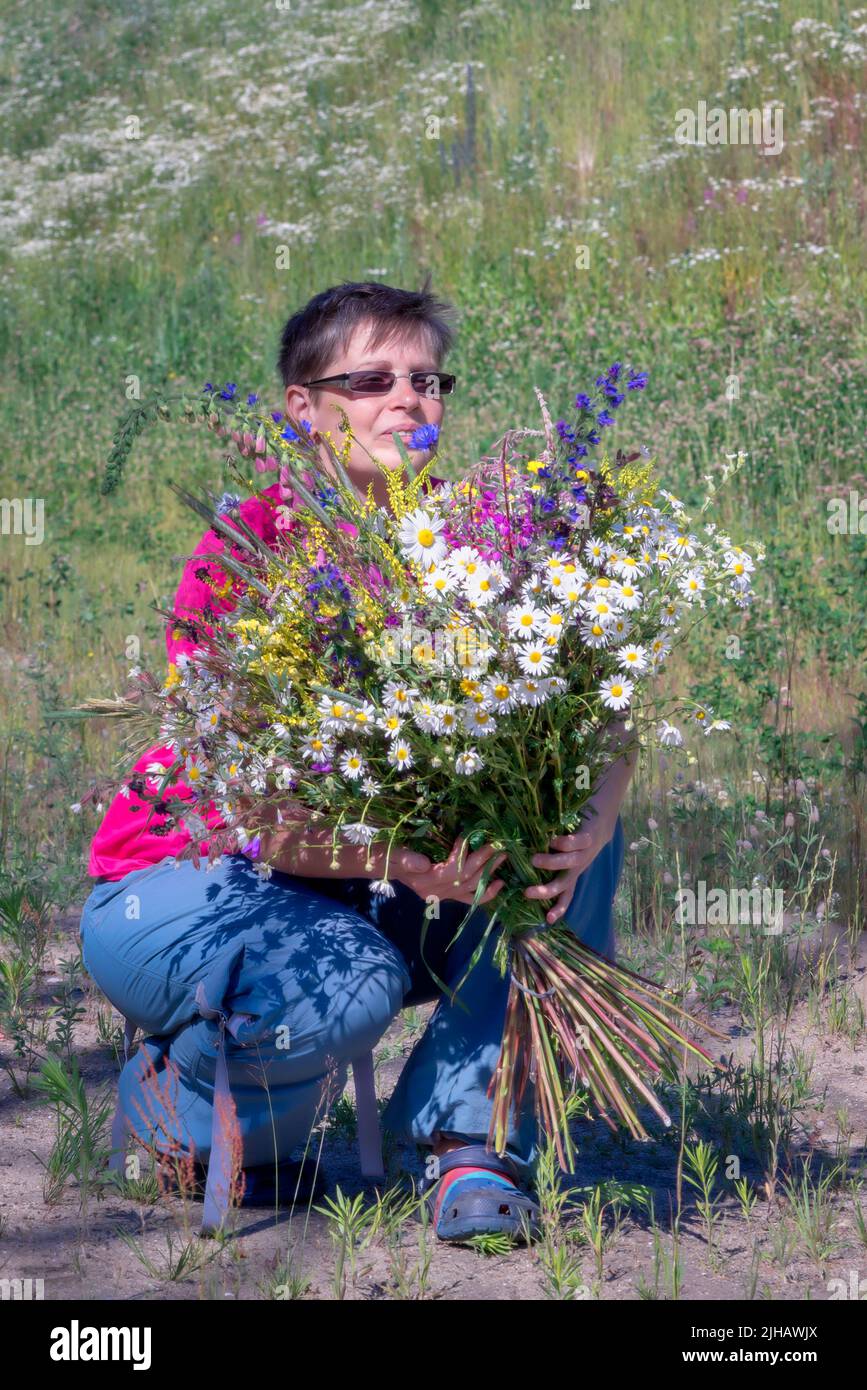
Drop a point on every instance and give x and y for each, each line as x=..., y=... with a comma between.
x=297, y=400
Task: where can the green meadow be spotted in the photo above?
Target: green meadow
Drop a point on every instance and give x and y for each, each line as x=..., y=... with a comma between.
x=175, y=180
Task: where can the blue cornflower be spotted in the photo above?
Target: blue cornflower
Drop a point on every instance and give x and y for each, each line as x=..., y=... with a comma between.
x=307, y=425
x=425, y=437
x=614, y=396
x=276, y=416
x=227, y=502
x=593, y=437
x=252, y=398
x=614, y=371
x=207, y=389
x=637, y=382
x=603, y=419
x=289, y=434
x=547, y=504
x=581, y=451
x=228, y=391
x=582, y=400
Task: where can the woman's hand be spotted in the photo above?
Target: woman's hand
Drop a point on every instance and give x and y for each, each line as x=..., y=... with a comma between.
x=454, y=879
x=575, y=854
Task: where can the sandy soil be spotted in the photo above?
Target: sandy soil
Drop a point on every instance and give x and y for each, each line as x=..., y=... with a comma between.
x=752, y=1258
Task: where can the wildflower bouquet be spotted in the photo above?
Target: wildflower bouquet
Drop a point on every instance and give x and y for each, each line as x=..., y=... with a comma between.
x=461, y=665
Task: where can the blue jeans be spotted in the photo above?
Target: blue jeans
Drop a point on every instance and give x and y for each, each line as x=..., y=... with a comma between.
x=320, y=969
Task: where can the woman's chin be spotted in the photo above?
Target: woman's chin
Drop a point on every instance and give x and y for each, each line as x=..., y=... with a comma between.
x=390, y=458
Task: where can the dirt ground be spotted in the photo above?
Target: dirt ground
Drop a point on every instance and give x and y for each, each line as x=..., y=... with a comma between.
x=763, y=1257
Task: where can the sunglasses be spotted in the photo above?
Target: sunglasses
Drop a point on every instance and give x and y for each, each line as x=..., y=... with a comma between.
x=380, y=383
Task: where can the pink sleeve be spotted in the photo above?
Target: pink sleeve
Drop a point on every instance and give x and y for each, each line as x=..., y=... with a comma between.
x=196, y=596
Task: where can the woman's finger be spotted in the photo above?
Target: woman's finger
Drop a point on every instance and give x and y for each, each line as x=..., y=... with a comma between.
x=582, y=839
x=491, y=891
x=476, y=861
x=548, y=890
x=563, y=862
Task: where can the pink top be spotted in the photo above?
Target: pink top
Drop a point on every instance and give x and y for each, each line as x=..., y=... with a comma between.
x=133, y=834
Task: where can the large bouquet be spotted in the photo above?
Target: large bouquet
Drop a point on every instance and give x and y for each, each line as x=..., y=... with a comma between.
x=459, y=665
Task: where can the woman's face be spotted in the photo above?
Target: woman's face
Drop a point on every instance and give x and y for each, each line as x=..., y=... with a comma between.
x=373, y=417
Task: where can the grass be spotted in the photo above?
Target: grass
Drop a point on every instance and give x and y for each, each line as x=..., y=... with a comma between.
x=160, y=229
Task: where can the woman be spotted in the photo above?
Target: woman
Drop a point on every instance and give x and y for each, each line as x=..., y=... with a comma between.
x=256, y=993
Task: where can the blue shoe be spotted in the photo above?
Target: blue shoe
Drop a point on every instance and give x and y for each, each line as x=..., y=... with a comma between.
x=477, y=1194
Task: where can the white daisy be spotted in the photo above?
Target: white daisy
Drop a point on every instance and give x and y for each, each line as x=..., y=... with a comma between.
x=448, y=719
x=525, y=620
x=595, y=553
x=483, y=588
x=670, y=614
x=464, y=562
x=316, y=749
x=334, y=714
x=555, y=623
x=478, y=719
x=397, y=697
x=425, y=716
x=692, y=585
x=381, y=888
x=616, y=692
x=632, y=658
x=357, y=833
x=400, y=754
x=534, y=658
x=599, y=610
x=420, y=538
x=391, y=725
x=533, y=692
x=502, y=693
x=669, y=736
x=629, y=597
x=739, y=563
x=664, y=559
x=595, y=634
x=571, y=593
x=468, y=762
x=370, y=786
x=683, y=545
x=207, y=722
x=628, y=567
x=352, y=764
x=439, y=580
x=362, y=718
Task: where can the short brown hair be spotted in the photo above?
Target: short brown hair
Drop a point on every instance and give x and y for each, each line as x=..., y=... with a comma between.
x=313, y=335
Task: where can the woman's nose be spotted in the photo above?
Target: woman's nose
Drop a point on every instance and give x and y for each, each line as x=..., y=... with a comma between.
x=404, y=391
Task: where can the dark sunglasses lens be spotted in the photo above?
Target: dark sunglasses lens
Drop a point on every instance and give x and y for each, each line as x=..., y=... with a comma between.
x=432, y=383
x=373, y=383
